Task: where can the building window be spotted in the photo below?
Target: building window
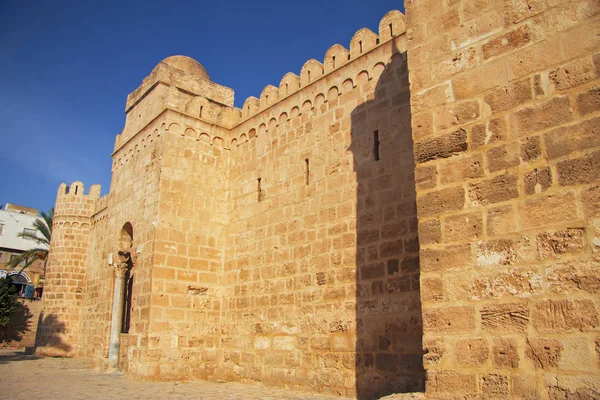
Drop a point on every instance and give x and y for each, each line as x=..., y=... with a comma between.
x=29, y=231
x=1, y=229
x=376, y=145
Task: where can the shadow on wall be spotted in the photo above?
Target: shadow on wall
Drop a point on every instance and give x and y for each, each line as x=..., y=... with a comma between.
x=388, y=307
x=17, y=328
x=48, y=336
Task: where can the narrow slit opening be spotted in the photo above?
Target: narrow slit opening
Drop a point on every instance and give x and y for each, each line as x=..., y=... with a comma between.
x=258, y=188
x=333, y=61
x=360, y=43
x=376, y=145
x=391, y=31
x=307, y=171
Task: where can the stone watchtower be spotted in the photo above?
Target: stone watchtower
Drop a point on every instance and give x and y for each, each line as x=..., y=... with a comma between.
x=59, y=324
x=167, y=200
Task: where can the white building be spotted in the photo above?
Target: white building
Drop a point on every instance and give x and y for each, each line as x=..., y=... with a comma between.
x=14, y=220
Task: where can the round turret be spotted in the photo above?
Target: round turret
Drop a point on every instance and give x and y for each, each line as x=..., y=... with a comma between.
x=188, y=65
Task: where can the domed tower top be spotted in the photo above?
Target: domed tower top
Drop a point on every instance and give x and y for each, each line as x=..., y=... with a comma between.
x=188, y=65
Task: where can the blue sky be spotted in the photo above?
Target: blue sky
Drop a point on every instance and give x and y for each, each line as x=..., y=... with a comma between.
x=66, y=68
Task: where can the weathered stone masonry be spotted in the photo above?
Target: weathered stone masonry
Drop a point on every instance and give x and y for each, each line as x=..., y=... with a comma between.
x=341, y=234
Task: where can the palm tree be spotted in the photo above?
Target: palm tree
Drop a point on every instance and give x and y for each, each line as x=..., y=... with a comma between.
x=42, y=234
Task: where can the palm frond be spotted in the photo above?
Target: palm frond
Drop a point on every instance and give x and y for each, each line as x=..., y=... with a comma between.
x=47, y=217
x=42, y=225
x=28, y=262
x=31, y=236
x=43, y=229
x=18, y=259
x=27, y=257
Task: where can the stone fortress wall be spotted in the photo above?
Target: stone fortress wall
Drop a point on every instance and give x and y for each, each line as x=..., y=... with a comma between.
x=343, y=235
x=505, y=101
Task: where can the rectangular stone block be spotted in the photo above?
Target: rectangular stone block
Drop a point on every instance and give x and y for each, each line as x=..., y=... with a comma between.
x=531, y=149
x=558, y=243
x=472, y=352
x=503, y=157
x=558, y=316
x=430, y=231
x=495, y=190
x=515, y=10
x=509, y=96
x=449, y=320
x=505, y=353
x=576, y=354
x=509, y=41
x=572, y=74
x=589, y=200
x=518, y=282
x=524, y=386
x=440, y=201
x=456, y=114
x=432, y=289
x=443, y=146
x=583, y=386
x=495, y=385
x=543, y=353
x=451, y=382
x=512, y=317
x=461, y=168
x=574, y=276
x=501, y=220
x=538, y=180
x=422, y=125
x=425, y=177
x=535, y=118
x=446, y=258
x=589, y=101
x=463, y=227
x=548, y=210
x=580, y=170
x=493, y=131
x=565, y=140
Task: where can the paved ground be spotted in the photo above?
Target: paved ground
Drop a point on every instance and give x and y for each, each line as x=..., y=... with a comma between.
x=31, y=378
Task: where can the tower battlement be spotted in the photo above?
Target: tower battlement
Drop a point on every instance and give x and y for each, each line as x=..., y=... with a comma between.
x=72, y=201
x=392, y=24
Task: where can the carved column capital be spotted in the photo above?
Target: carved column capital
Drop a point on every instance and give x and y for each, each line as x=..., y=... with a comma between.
x=120, y=269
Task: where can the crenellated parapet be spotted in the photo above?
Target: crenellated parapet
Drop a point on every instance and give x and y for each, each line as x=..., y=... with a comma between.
x=72, y=202
x=392, y=24
x=342, y=71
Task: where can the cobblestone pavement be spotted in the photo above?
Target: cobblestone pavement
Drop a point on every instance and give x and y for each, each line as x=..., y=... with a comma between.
x=31, y=378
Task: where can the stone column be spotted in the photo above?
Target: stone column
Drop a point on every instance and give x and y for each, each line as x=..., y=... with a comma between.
x=117, y=313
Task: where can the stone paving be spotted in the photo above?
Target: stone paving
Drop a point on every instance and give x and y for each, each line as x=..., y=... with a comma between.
x=32, y=378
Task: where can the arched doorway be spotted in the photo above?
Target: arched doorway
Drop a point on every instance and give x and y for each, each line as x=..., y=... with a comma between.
x=126, y=248
x=122, y=298
x=22, y=283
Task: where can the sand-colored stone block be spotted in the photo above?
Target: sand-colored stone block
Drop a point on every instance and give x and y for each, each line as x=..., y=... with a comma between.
x=471, y=352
